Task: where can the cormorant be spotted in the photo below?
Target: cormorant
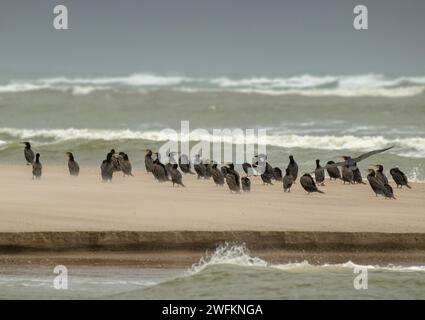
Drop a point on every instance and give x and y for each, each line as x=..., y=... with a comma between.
x=231, y=170
x=159, y=171
x=288, y=180
x=184, y=164
x=399, y=178
x=308, y=184
x=293, y=167
x=125, y=164
x=28, y=153
x=208, y=173
x=171, y=161
x=199, y=167
x=115, y=160
x=347, y=173
x=267, y=178
x=74, y=168
x=37, y=167
x=246, y=184
x=380, y=175
x=148, y=160
x=217, y=175
x=231, y=182
x=319, y=174
x=223, y=170
x=277, y=174
x=357, y=175
x=378, y=187
x=107, y=168
x=333, y=172
x=176, y=176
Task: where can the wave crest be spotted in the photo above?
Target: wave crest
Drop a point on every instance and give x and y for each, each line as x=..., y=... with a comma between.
x=310, y=85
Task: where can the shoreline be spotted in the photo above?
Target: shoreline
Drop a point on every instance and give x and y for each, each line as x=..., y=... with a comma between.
x=184, y=248
x=137, y=221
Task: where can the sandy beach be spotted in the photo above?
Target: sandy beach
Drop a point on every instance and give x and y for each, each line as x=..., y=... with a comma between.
x=136, y=220
x=60, y=203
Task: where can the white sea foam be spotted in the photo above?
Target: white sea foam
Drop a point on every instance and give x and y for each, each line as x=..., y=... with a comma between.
x=345, y=86
x=239, y=255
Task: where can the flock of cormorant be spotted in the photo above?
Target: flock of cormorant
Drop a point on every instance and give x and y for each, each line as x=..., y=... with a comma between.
x=206, y=169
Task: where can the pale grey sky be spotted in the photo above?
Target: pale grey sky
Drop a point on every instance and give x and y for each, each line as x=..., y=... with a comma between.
x=214, y=37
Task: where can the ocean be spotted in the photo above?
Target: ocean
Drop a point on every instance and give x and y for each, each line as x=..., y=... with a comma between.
x=311, y=117
x=228, y=273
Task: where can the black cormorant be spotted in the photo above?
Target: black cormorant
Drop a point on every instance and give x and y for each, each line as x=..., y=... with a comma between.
x=148, y=160
x=199, y=167
x=37, y=167
x=176, y=176
x=107, y=168
x=333, y=172
x=380, y=175
x=217, y=175
x=308, y=184
x=287, y=180
x=184, y=164
x=246, y=184
x=293, y=167
x=28, y=153
x=399, y=178
x=378, y=187
x=125, y=164
x=231, y=182
x=319, y=174
x=74, y=168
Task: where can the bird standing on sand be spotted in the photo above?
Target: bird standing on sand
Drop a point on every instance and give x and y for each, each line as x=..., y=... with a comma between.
x=357, y=175
x=107, y=168
x=159, y=171
x=287, y=180
x=125, y=164
x=380, y=175
x=319, y=174
x=184, y=164
x=399, y=178
x=293, y=167
x=246, y=184
x=148, y=160
x=199, y=167
x=37, y=167
x=73, y=167
x=231, y=182
x=308, y=184
x=231, y=170
x=378, y=187
x=333, y=172
x=28, y=153
x=277, y=174
x=115, y=160
x=176, y=176
x=267, y=178
x=346, y=172
x=216, y=174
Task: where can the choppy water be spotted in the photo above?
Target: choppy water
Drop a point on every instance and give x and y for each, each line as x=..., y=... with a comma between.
x=229, y=273
x=308, y=116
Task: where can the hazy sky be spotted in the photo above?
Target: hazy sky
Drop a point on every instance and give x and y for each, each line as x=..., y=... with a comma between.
x=214, y=37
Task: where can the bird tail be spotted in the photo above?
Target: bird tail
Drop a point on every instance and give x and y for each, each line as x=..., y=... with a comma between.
x=320, y=191
x=408, y=186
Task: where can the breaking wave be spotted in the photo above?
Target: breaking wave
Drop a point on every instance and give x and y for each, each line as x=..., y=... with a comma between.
x=310, y=85
x=413, y=147
x=239, y=255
